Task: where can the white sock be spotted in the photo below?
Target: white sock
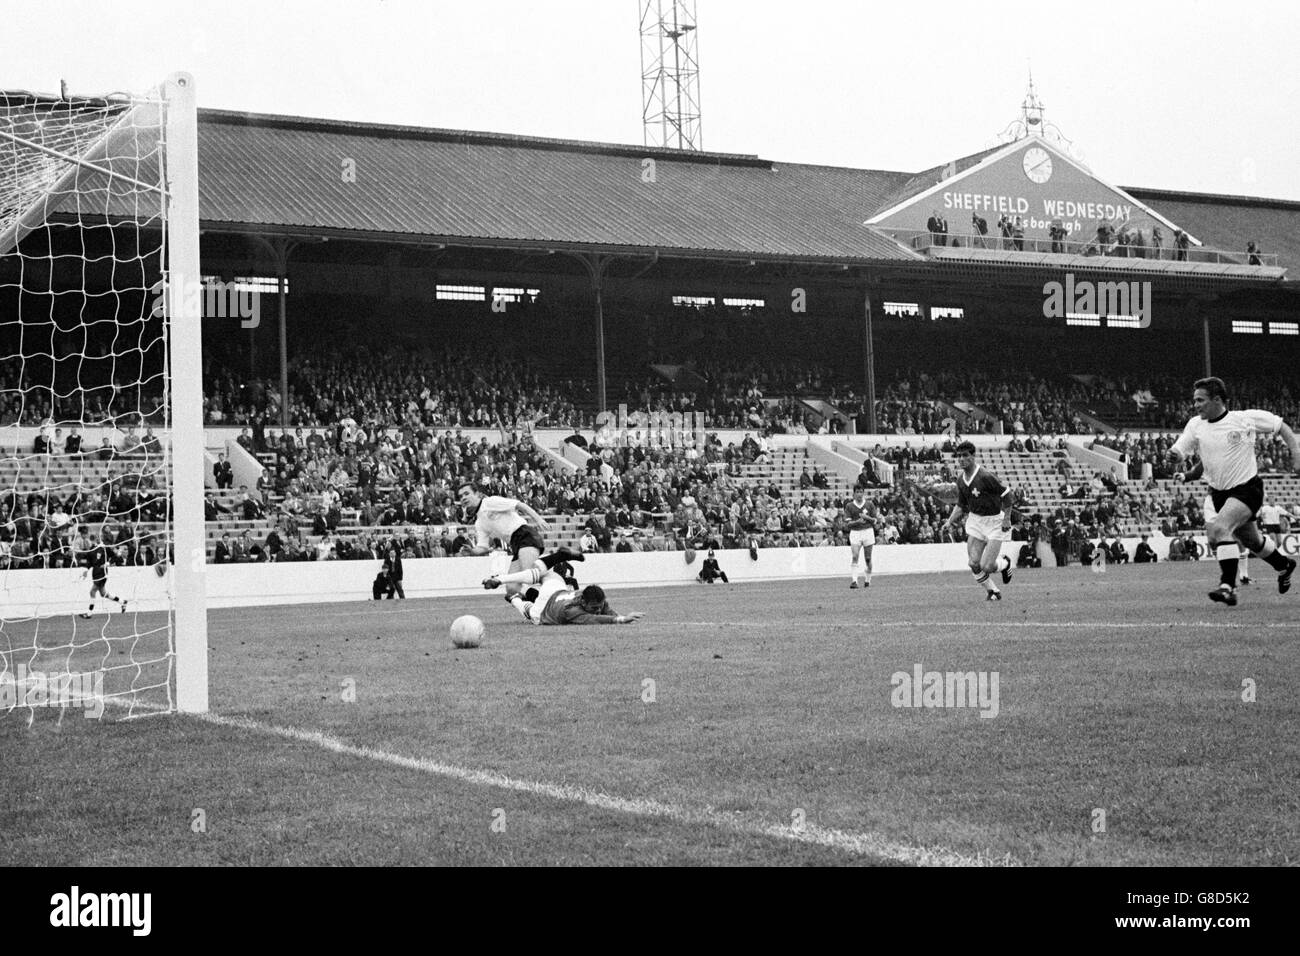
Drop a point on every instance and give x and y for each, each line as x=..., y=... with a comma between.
x=524, y=608
x=527, y=576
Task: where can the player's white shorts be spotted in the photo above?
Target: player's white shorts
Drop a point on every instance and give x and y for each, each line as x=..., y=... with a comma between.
x=986, y=527
x=550, y=585
x=866, y=536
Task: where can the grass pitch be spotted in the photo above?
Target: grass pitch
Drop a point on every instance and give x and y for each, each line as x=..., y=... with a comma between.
x=745, y=724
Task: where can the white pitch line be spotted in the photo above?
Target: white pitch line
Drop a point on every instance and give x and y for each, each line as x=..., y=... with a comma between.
x=867, y=622
x=858, y=843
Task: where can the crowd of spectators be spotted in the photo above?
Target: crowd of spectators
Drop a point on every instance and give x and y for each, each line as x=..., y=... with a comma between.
x=631, y=496
x=759, y=395
x=1137, y=451
x=48, y=530
x=378, y=436
x=32, y=406
x=389, y=386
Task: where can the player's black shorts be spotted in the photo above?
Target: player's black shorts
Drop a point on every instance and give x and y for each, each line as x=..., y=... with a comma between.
x=1251, y=494
x=98, y=581
x=526, y=536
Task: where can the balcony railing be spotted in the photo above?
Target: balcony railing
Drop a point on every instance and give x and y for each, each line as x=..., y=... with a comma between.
x=924, y=241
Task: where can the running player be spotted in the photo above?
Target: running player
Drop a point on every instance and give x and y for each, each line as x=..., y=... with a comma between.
x=1225, y=441
x=507, y=519
x=862, y=537
x=98, y=571
x=556, y=562
x=986, y=502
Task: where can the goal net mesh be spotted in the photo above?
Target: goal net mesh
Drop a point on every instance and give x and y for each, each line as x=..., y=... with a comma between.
x=86, y=620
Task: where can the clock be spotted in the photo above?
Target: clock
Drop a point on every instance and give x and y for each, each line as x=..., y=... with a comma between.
x=1038, y=164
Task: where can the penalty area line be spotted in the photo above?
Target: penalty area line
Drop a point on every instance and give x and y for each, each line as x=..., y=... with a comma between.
x=853, y=842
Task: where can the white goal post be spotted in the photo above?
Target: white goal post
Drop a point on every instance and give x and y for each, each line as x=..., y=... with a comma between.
x=185, y=317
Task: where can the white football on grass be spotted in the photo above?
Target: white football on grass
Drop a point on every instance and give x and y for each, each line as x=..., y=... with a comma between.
x=466, y=631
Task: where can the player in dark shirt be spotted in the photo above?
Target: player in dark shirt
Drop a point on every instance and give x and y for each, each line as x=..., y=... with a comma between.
x=552, y=600
x=98, y=570
x=860, y=518
x=587, y=607
x=986, y=503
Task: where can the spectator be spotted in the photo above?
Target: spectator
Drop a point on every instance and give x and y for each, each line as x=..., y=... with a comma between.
x=223, y=472
x=393, y=572
x=150, y=443
x=1061, y=543
x=251, y=508
x=1056, y=232
x=711, y=571
x=274, y=547
x=1028, y=556
x=251, y=550
x=938, y=228
x=380, y=586
x=213, y=509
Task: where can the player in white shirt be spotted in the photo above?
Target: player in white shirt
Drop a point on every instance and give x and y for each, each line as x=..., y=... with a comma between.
x=1270, y=521
x=1225, y=442
x=507, y=520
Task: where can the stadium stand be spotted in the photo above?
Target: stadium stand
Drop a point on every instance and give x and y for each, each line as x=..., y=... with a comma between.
x=378, y=370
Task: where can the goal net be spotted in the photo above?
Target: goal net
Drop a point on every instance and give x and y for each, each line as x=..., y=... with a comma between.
x=101, y=443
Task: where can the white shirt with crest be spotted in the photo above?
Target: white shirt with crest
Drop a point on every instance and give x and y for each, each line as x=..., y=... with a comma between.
x=1227, y=446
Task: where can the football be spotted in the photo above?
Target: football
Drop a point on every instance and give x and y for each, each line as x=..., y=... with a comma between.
x=466, y=631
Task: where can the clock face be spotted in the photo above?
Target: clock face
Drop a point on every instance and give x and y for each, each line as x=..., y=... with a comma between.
x=1038, y=165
